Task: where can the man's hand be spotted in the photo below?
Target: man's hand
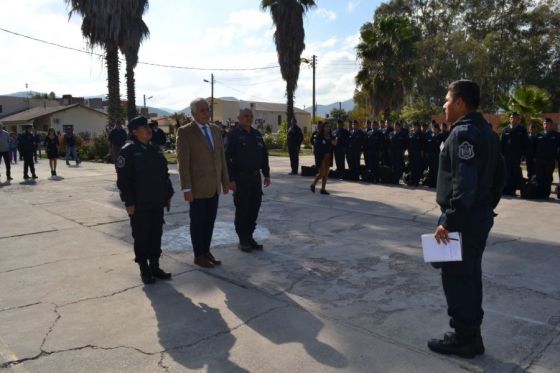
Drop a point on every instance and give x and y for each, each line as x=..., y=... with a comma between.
x=266, y=182
x=442, y=235
x=130, y=210
x=232, y=186
x=226, y=189
x=188, y=196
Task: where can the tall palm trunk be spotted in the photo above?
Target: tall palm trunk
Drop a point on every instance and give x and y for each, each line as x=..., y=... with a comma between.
x=113, y=82
x=290, y=89
x=131, y=109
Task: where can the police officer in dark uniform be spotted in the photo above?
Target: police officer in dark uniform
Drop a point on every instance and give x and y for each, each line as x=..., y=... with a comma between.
x=26, y=146
x=397, y=145
x=470, y=184
x=117, y=139
x=355, y=148
x=247, y=157
x=433, y=146
x=145, y=189
x=387, y=130
x=547, y=152
x=530, y=155
x=342, y=136
x=158, y=136
x=295, y=138
x=375, y=142
x=514, y=146
x=415, y=155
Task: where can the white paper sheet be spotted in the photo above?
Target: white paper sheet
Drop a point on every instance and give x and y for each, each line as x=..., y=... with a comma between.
x=434, y=252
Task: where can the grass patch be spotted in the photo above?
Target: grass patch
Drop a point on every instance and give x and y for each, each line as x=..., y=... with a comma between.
x=284, y=153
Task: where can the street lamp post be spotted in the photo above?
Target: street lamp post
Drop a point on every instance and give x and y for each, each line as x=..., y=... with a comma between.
x=146, y=99
x=212, y=81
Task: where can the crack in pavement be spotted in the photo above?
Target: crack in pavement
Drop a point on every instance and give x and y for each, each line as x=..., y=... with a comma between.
x=28, y=234
x=501, y=242
x=538, y=354
x=60, y=261
x=20, y=307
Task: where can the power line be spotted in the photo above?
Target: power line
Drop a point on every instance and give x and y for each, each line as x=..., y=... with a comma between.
x=142, y=63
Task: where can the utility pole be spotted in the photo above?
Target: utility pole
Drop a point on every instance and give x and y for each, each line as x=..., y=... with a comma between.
x=313, y=65
x=212, y=81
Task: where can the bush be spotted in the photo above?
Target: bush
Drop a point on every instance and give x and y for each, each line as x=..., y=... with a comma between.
x=270, y=141
x=282, y=137
x=100, y=146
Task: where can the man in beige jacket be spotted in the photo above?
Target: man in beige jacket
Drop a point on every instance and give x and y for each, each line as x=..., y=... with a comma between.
x=203, y=175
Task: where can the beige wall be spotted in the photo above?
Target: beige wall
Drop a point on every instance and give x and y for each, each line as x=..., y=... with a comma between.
x=224, y=110
x=84, y=120
x=271, y=118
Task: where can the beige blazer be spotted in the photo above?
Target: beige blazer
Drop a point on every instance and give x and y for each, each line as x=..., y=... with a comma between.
x=201, y=169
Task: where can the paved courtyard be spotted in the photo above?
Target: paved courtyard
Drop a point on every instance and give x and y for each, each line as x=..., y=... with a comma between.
x=340, y=286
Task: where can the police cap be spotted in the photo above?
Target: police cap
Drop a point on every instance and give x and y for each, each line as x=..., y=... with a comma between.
x=134, y=123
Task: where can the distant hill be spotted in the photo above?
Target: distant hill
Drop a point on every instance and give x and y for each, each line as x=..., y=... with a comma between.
x=323, y=110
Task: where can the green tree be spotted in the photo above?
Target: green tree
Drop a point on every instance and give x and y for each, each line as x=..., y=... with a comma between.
x=387, y=54
x=289, y=37
x=102, y=26
x=337, y=114
x=133, y=33
x=529, y=102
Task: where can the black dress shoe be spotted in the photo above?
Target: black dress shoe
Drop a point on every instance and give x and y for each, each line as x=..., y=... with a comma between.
x=453, y=344
x=35, y=177
x=255, y=245
x=25, y=177
x=203, y=261
x=245, y=247
x=213, y=260
x=323, y=191
x=157, y=272
x=312, y=187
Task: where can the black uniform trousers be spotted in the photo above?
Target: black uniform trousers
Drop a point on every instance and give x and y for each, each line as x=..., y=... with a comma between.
x=147, y=228
x=28, y=163
x=294, y=158
x=353, y=157
x=433, y=166
x=514, y=174
x=7, y=161
x=372, y=162
x=544, y=171
x=202, y=213
x=397, y=165
x=340, y=160
x=416, y=166
x=462, y=281
x=247, y=198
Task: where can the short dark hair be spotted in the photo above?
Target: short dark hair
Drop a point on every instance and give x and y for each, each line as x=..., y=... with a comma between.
x=466, y=90
x=548, y=120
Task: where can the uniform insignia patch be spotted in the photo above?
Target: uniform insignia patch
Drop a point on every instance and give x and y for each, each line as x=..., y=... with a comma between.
x=466, y=151
x=120, y=162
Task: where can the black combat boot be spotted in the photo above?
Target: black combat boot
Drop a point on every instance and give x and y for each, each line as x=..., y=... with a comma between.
x=244, y=244
x=254, y=244
x=53, y=173
x=465, y=343
x=146, y=274
x=157, y=272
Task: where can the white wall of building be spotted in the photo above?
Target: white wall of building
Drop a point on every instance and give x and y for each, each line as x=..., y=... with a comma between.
x=83, y=120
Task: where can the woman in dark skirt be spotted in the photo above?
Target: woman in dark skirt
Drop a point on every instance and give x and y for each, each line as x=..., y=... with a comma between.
x=323, y=149
x=51, y=146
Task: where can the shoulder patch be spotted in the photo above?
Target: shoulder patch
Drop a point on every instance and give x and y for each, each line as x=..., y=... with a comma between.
x=466, y=151
x=120, y=162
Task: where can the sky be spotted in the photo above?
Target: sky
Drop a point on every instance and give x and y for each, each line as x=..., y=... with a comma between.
x=211, y=34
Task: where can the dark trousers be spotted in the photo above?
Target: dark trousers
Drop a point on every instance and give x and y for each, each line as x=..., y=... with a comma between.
x=202, y=213
x=7, y=161
x=294, y=158
x=433, y=166
x=530, y=162
x=544, y=171
x=28, y=163
x=462, y=281
x=372, y=162
x=147, y=228
x=397, y=165
x=416, y=167
x=514, y=174
x=353, y=157
x=247, y=199
x=340, y=159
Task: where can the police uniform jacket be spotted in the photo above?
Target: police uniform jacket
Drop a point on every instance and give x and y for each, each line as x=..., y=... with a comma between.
x=547, y=146
x=375, y=141
x=514, y=140
x=295, y=137
x=434, y=142
x=246, y=154
x=471, y=171
x=356, y=140
x=342, y=136
x=26, y=142
x=143, y=177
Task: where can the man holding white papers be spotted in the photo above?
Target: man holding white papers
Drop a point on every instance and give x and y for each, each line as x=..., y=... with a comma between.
x=470, y=182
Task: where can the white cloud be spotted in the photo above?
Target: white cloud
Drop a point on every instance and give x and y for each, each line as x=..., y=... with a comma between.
x=329, y=15
x=352, y=4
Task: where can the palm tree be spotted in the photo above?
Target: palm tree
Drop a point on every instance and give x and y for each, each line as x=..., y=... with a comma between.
x=387, y=53
x=289, y=37
x=102, y=26
x=134, y=32
x=529, y=102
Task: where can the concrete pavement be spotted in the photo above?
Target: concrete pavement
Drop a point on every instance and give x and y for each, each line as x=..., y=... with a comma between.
x=340, y=286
